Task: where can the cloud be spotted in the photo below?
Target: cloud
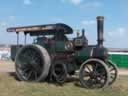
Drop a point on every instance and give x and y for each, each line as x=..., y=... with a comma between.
x=74, y=2
x=3, y=24
x=88, y=22
x=3, y=27
x=117, y=33
x=84, y=4
x=12, y=17
x=117, y=38
x=27, y=2
x=91, y=5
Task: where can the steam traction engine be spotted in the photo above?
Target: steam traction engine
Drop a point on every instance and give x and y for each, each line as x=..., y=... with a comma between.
x=52, y=55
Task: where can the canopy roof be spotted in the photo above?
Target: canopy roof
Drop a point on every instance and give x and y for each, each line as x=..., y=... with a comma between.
x=49, y=29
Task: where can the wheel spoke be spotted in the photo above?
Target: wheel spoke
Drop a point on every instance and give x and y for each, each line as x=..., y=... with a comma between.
x=89, y=82
x=111, y=69
x=95, y=76
x=25, y=70
x=113, y=72
x=95, y=67
x=29, y=64
x=112, y=76
x=88, y=68
x=29, y=75
x=35, y=73
x=85, y=73
x=100, y=80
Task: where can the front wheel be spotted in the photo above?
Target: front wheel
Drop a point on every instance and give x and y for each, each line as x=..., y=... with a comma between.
x=113, y=72
x=94, y=73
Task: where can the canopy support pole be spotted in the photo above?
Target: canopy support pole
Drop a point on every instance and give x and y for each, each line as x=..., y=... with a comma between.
x=17, y=41
x=17, y=38
x=25, y=39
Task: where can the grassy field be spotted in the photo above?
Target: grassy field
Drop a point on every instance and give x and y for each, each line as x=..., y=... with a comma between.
x=9, y=86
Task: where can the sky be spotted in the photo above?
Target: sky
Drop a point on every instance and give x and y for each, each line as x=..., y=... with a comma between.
x=76, y=13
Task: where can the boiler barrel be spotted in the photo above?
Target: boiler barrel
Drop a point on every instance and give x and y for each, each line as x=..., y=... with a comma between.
x=91, y=52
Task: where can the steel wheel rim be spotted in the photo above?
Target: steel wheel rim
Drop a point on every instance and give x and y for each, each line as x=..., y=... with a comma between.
x=30, y=64
x=113, y=72
x=93, y=78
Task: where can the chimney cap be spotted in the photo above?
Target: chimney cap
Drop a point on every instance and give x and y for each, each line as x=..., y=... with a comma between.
x=100, y=17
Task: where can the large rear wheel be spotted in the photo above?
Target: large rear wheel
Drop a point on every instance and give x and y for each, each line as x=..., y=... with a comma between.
x=32, y=63
x=94, y=73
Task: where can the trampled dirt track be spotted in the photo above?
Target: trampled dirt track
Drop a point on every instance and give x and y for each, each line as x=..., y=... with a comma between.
x=8, y=66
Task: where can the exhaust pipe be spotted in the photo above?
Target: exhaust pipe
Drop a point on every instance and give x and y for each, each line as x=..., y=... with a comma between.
x=100, y=30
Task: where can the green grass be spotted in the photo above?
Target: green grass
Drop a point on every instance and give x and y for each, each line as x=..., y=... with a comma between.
x=11, y=87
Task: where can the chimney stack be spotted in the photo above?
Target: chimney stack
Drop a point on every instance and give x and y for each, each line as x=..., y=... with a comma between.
x=100, y=30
